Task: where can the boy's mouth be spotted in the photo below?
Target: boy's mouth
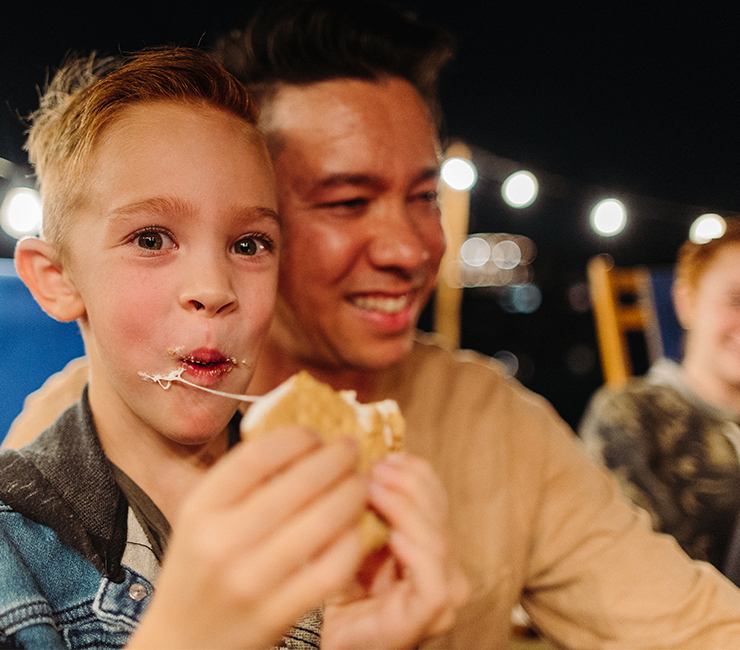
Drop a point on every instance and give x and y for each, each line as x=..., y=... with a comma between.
x=207, y=365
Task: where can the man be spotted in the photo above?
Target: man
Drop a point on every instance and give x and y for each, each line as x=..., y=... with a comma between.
x=349, y=110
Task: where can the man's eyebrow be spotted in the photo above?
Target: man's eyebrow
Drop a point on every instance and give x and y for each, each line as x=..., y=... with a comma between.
x=336, y=180
x=428, y=174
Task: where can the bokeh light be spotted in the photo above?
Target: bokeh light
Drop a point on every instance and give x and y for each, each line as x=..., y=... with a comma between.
x=509, y=361
x=20, y=213
x=608, y=217
x=521, y=299
x=520, y=189
x=506, y=254
x=459, y=173
x=496, y=260
x=475, y=251
x=707, y=227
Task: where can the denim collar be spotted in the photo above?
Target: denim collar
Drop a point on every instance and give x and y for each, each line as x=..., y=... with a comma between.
x=63, y=480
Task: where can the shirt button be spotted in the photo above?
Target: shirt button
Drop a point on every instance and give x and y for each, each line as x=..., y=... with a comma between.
x=137, y=592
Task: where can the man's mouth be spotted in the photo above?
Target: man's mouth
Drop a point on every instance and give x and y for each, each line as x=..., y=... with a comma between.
x=383, y=304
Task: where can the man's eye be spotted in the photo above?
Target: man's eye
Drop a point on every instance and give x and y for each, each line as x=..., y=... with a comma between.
x=353, y=203
x=348, y=204
x=250, y=246
x=430, y=196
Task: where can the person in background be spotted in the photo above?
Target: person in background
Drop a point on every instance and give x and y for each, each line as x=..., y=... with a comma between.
x=672, y=436
x=350, y=113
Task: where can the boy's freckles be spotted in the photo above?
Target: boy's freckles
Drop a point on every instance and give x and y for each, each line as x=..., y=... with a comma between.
x=177, y=249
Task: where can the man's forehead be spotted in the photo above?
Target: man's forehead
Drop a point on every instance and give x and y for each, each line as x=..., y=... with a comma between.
x=345, y=103
x=350, y=130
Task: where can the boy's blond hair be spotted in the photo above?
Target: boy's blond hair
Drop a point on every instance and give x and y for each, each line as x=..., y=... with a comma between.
x=87, y=95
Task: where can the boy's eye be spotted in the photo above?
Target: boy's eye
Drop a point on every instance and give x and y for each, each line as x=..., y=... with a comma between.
x=151, y=241
x=250, y=246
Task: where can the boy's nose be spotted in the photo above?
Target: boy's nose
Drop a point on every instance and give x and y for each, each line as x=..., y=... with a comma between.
x=208, y=290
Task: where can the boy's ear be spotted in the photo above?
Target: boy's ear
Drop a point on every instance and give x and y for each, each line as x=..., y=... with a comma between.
x=39, y=268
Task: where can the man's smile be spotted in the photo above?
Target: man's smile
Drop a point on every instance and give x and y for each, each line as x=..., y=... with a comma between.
x=383, y=303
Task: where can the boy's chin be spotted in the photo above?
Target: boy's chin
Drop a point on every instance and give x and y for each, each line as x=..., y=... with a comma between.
x=190, y=429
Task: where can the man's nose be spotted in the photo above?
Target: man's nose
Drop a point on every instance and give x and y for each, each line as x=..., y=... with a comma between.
x=207, y=288
x=398, y=240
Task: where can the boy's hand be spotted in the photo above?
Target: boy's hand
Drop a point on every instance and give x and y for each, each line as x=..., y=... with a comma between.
x=268, y=534
x=413, y=588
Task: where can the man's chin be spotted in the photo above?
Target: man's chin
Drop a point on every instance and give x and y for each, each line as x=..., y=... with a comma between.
x=377, y=356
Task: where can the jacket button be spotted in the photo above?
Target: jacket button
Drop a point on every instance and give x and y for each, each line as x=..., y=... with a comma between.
x=137, y=592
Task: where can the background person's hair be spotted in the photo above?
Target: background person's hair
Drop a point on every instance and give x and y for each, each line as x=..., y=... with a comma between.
x=693, y=259
x=86, y=96
x=305, y=41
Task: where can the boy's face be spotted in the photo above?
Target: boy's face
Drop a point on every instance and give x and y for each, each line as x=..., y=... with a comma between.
x=175, y=257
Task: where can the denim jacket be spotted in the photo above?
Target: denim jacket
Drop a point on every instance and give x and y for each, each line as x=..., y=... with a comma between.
x=69, y=577
x=76, y=568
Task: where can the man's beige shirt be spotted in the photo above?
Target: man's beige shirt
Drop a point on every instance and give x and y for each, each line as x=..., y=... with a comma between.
x=534, y=521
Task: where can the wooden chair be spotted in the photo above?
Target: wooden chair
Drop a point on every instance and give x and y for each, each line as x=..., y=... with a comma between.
x=635, y=299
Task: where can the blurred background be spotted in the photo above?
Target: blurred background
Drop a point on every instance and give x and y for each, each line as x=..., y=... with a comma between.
x=636, y=102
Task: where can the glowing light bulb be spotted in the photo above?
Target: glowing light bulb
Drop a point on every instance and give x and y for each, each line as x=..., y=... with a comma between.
x=459, y=173
x=608, y=217
x=707, y=227
x=20, y=214
x=520, y=189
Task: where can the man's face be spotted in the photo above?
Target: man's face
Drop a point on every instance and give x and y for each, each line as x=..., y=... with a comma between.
x=357, y=168
x=175, y=257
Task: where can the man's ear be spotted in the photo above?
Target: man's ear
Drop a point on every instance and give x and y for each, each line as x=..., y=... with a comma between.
x=39, y=268
x=684, y=302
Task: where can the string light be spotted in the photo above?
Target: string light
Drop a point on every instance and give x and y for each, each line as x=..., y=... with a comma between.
x=707, y=227
x=520, y=189
x=20, y=213
x=459, y=174
x=609, y=217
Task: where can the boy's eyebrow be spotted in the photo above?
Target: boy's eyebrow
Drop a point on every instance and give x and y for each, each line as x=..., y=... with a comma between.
x=167, y=205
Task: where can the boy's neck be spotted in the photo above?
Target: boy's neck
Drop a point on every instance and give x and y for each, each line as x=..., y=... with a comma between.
x=166, y=471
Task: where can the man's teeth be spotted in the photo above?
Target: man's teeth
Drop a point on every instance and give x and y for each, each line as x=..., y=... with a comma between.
x=385, y=305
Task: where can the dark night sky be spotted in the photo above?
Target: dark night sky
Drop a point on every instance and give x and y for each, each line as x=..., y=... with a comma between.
x=640, y=99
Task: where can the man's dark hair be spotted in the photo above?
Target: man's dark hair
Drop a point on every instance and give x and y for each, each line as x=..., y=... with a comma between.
x=306, y=41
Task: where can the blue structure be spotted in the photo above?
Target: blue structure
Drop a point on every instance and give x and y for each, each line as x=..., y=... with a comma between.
x=33, y=345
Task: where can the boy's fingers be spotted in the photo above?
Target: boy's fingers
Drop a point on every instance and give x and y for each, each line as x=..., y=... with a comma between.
x=317, y=580
x=250, y=464
x=301, y=539
x=293, y=489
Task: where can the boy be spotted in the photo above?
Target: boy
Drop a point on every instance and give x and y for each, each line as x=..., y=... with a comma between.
x=161, y=238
